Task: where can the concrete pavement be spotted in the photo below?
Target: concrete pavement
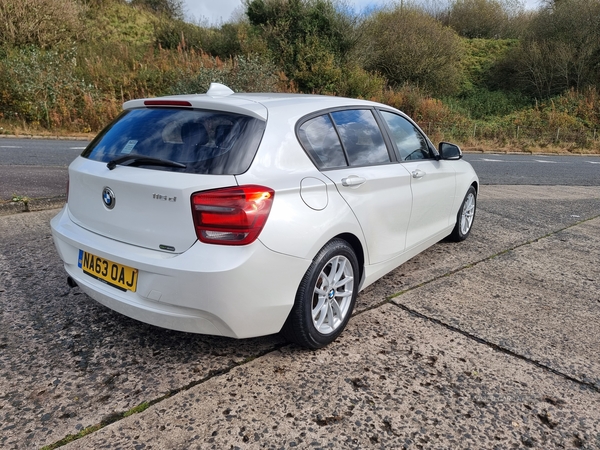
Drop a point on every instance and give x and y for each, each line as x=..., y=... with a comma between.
x=490, y=343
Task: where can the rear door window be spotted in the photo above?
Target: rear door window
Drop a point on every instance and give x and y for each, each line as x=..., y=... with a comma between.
x=344, y=138
x=319, y=138
x=207, y=142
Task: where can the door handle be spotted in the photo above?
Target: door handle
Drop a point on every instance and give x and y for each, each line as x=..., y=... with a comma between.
x=353, y=180
x=418, y=173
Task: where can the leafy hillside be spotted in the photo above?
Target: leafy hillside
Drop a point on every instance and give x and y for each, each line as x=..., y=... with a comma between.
x=480, y=72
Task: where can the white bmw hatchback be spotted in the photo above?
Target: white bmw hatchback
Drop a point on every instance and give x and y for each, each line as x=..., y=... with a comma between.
x=249, y=214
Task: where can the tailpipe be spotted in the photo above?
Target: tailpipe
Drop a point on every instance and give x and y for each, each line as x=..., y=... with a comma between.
x=71, y=282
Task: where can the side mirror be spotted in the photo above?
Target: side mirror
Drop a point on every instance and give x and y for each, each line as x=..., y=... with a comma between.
x=449, y=151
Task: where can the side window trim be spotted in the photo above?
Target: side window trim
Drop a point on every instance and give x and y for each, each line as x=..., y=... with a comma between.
x=387, y=138
x=337, y=132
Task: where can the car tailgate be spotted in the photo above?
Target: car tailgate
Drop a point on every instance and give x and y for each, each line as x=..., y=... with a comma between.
x=151, y=208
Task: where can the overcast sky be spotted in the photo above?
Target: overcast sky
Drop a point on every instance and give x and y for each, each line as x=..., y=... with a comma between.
x=220, y=11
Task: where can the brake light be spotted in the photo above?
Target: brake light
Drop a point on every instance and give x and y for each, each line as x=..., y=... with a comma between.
x=167, y=103
x=231, y=216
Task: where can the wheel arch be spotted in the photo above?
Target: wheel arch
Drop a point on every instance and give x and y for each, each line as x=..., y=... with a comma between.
x=356, y=245
x=300, y=326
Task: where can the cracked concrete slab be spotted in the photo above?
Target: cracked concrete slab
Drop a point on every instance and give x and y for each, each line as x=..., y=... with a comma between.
x=391, y=381
x=507, y=216
x=67, y=363
x=541, y=300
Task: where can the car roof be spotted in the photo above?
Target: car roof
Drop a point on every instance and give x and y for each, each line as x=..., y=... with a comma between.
x=257, y=104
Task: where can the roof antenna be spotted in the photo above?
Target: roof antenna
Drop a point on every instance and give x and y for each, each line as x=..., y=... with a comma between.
x=219, y=90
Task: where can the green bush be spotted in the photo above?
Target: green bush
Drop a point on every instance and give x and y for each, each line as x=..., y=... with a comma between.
x=228, y=40
x=173, y=34
x=40, y=23
x=172, y=9
x=308, y=39
x=109, y=21
x=358, y=83
x=480, y=60
x=241, y=74
x=406, y=45
x=560, y=51
x=39, y=86
x=81, y=89
x=490, y=19
x=480, y=103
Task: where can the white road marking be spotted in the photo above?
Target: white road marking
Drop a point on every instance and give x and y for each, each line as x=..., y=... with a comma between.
x=526, y=161
x=77, y=148
x=593, y=162
x=10, y=146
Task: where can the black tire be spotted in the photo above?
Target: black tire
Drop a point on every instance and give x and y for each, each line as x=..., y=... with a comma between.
x=333, y=307
x=465, y=217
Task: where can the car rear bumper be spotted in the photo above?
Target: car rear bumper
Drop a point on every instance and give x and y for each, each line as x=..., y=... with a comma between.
x=235, y=291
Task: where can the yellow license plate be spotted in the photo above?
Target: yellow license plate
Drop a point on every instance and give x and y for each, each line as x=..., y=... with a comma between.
x=116, y=275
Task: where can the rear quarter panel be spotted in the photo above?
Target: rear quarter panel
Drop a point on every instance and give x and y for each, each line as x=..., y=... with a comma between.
x=294, y=228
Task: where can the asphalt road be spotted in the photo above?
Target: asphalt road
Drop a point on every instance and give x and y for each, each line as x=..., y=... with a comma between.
x=36, y=168
x=537, y=170
x=39, y=152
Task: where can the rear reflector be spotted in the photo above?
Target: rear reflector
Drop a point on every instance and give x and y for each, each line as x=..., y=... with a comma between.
x=231, y=216
x=166, y=103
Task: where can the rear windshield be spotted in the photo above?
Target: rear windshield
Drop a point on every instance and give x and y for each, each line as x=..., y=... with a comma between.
x=207, y=142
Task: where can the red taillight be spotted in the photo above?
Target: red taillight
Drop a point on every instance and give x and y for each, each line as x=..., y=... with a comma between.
x=233, y=215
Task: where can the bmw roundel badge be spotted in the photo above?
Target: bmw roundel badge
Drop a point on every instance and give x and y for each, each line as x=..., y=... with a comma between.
x=108, y=197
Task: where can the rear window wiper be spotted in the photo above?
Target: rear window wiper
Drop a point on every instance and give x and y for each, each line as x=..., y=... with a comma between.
x=139, y=160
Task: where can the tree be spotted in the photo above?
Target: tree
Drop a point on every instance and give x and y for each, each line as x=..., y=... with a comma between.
x=408, y=45
x=485, y=18
x=309, y=39
x=561, y=51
